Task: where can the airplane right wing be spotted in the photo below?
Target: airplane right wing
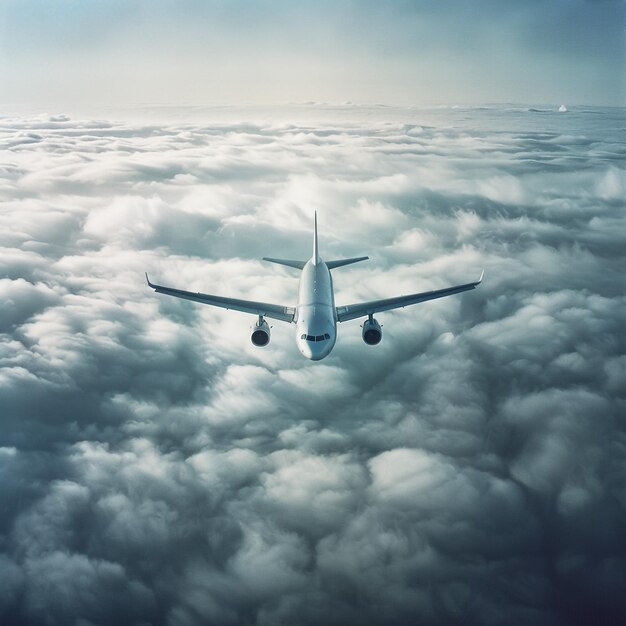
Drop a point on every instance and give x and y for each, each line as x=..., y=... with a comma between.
x=352, y=311
x=274, y=311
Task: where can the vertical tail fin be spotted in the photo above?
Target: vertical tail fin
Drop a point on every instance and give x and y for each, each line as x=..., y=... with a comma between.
x=316, y=257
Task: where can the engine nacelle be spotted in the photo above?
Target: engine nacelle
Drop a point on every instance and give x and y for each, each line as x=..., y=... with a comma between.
x=260, y=333
x=372, y=332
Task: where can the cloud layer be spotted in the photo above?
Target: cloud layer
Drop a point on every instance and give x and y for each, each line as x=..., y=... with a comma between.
x=157, y=468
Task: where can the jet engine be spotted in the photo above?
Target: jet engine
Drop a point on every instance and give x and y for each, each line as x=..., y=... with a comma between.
x=260, y=333
x=372, y=332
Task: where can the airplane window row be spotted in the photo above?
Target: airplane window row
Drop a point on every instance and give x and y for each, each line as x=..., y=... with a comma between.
x=316, y=337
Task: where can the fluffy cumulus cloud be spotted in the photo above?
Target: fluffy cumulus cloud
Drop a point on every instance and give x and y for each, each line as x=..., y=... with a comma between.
x=156, y=468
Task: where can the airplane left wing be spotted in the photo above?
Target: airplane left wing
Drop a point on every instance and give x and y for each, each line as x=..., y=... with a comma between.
x=352, y=311
x=274, y=311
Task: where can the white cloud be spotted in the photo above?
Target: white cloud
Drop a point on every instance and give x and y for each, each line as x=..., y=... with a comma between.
x=158, y=468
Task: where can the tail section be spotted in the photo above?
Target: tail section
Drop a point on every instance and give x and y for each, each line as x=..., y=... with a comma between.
x=342, y=262
x=316, y=257
x=300, y=264
x=297, y=264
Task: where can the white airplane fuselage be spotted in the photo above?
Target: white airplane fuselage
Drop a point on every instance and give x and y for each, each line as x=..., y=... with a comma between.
x=316, y=318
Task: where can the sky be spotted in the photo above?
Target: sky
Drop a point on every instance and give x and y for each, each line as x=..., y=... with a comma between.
x=62, y=52
x=157, y=468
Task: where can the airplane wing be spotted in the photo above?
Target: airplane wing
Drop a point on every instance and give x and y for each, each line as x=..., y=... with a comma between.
x=274, y=311
x=352, y=311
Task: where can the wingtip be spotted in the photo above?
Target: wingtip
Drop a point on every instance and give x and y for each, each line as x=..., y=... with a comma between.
x=148, y=280
x=480, y=280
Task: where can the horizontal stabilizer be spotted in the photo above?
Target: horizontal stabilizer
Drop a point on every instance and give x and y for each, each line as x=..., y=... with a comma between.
x=340, y=262
x=297, y=264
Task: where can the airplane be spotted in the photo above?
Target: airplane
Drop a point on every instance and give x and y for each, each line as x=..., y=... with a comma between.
x=315, y=314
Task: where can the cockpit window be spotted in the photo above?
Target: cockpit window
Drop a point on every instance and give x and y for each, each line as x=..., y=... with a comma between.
x=316, y=337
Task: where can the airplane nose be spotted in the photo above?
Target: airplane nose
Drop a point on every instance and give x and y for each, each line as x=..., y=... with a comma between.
x=317, y=355
x=313, y=352
x=305, y=348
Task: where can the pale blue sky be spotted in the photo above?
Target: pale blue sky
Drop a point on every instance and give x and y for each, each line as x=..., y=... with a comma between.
x=264, y=52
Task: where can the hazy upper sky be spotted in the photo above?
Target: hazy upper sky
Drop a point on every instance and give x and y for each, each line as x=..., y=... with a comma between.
x=261, y=51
